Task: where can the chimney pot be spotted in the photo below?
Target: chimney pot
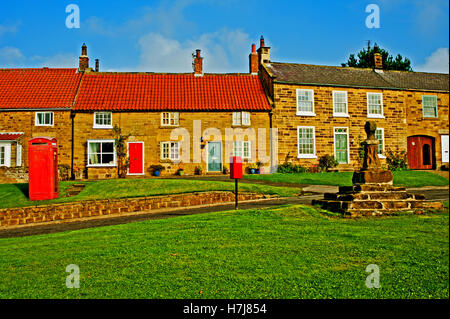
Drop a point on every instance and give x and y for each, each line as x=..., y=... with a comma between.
x=198, y=64
x=97, y=65
x=261, y=42
x=253, y=48
x=84, y=59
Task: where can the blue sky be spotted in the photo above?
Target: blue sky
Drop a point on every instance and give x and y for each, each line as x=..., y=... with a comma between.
x=159, y=36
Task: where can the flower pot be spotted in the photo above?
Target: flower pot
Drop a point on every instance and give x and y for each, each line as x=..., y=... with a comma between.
x=156, y=173
x=181, y=173
x=252, y=171
x=257, y=171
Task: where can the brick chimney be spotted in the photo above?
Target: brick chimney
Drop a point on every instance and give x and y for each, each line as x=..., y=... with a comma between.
x=378, y=61
x=263, y=52
x=253, y=61
x=198, y=63
x=84, y=59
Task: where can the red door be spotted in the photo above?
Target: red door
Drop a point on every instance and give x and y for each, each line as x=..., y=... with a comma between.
x=136, y=156
x=420, y=152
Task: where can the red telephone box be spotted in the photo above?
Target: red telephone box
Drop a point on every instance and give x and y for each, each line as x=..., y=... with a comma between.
x=43, y=168
x=236, y=168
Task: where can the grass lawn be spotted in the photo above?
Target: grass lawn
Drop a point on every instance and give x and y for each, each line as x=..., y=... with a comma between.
x=287, y=252
x=16, y=195
x=403, y=178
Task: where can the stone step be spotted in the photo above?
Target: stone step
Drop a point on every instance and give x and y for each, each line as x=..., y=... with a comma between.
x=378, y=205
x=370, y=188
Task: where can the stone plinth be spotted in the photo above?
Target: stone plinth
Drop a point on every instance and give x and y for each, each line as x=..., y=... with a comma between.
x=372, y=176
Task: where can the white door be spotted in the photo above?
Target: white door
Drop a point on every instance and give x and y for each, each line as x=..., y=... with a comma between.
x=444, y=148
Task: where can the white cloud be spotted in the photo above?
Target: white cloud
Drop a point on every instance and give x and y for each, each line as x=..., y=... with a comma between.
x=7, y=29
x=437, y=62
x=223, y=51
x=11, y=57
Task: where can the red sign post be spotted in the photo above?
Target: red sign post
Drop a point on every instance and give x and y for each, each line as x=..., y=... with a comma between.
x=43, y=168
x=236, y=173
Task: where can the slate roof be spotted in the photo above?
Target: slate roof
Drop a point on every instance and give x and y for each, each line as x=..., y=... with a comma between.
x=357, y=77
x=38, y=88
x=177, y=92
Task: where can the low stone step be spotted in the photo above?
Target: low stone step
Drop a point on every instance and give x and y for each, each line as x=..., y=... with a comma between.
x=370, y=188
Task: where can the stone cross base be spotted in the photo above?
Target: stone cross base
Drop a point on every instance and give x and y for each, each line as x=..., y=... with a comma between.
x=372, y=177
x=375, y=200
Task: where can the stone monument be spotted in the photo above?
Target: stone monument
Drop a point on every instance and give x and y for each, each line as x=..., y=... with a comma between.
x=372, y=192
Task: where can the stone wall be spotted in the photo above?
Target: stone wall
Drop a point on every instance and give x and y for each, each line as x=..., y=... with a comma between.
x=84, y=209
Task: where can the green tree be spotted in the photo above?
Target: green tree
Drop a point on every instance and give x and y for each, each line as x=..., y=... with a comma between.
x=366, y=59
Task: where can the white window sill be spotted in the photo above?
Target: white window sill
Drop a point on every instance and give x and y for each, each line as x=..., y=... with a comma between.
x=45, y=125
x=381, y=156
x=375, y=116
x=430, y=117
x=305, y=114
x=102, y=127
x=306, y=156
x=340, y=115
x=100, y=165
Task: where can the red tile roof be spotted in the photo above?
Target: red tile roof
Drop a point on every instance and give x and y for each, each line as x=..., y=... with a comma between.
x=38, y=88
x=10, y=136
x=180, y=92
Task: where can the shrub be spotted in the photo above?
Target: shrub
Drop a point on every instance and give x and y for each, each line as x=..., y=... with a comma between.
x=397, y=161
x=288, y=168
x=326, y=162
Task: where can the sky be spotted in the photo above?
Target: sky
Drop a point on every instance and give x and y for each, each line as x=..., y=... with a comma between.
x=160, y=36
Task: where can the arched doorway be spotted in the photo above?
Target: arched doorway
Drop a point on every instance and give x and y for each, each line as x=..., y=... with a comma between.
x=421, y=152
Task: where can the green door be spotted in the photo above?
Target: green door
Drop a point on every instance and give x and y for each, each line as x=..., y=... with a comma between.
x=341, y=148
x=214, y=157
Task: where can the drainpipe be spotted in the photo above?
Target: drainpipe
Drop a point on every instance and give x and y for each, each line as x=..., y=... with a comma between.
x=72, y=118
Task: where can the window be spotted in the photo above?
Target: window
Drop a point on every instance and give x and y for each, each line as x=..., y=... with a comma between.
x=241, y=118
x=305, y=102
x=340, y=103
x=242, y=149
x=101, y=153
x=375, y=105
x=5, y=155
x=103, y=120
x=379, y=135
x=429, y=106
x=170, y=119
x=306, y=142
x=170, y=151
x=44, y=119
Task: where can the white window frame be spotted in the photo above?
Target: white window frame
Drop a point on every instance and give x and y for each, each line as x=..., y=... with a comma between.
x=36, y=122
x=102, y=165
x=303, y=113
x=314, y=142
x=173, y=116
x=18, y=155
x=170, y=158
x=340, y=114
x=241, y=119
x=348, y=141
x=384, y=143
x=371, y=115
x=423, y=110
x=249, y=147
x=102, y=126
x=7, y=152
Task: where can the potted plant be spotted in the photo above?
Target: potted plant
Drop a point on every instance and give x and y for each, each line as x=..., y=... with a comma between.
x=226, y=171
x=258, y=164
x=180, y=171
x=78, y=173
x=252, y=168
x=198, y=170
x=157, y=169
